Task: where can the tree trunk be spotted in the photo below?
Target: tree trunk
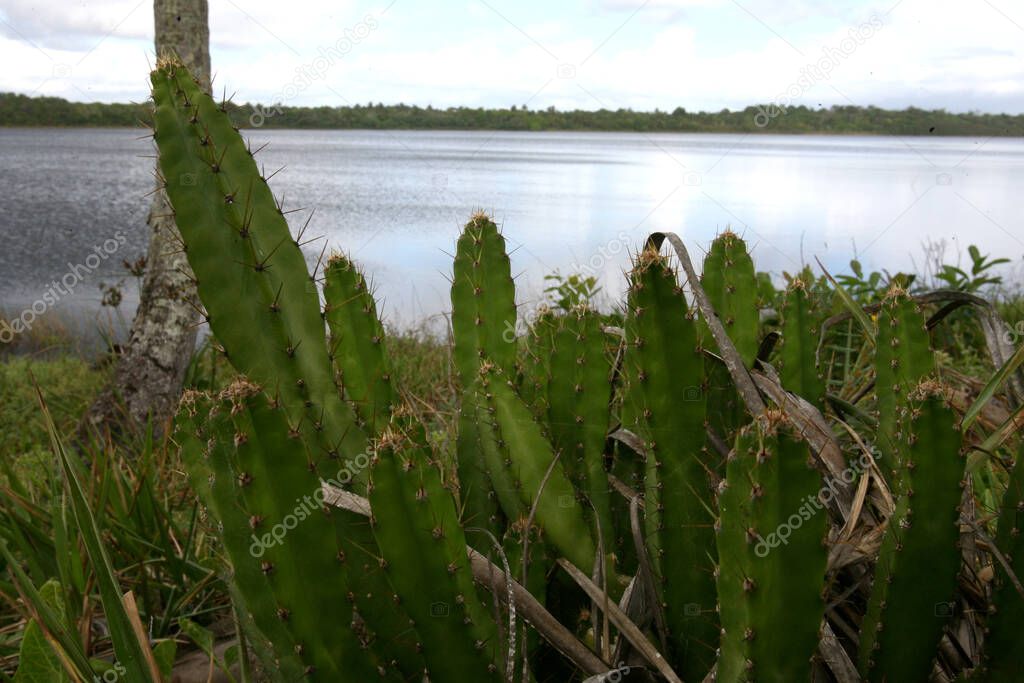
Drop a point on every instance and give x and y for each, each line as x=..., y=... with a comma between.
x=149, y=373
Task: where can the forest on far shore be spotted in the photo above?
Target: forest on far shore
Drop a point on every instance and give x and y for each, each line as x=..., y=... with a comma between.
x=22, y=110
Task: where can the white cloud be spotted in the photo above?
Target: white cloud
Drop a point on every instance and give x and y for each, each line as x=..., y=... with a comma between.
x=928, y=54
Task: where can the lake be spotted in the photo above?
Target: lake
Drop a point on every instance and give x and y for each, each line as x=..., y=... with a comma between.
x=395, y=201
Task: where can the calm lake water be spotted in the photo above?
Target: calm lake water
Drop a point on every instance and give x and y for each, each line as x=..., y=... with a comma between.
x=396, y=201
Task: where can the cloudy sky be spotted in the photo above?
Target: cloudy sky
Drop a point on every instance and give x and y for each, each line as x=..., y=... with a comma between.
x=699, y=54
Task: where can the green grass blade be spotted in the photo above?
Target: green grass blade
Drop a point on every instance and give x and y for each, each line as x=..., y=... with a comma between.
x=855, y=309
x=992, y=387
x=126, y=647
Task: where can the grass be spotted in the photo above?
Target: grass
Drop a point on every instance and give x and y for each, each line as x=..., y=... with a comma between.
x=69, y=385
x=140, y=495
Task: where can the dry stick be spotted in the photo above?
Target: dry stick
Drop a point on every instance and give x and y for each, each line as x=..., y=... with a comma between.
x=836, y=658
x=132, y=610
x=634, y=605
x=602, y=629
x=625, y=625
x=647, y=571
x=494, y=579
x=995, y=552
x=733, y=362
x=512, y=630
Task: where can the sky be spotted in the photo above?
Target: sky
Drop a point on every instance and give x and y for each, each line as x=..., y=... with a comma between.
x=706, y=55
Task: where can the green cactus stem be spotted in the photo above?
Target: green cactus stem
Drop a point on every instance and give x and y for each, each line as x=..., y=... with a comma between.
x=579, y=395
x=261, y=301
x=358, y=342
x=663, y=368
x=797, y=355
x=529, y=463
x=772, y=556
x=915, y=578
x=424, y=551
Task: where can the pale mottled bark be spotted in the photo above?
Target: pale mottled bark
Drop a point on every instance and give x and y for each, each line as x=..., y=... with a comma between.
x=147, y=380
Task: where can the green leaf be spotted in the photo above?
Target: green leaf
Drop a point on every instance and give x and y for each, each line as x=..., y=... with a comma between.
x=39, y=662
x=164, y=653
x=68, y=642
x=202, y=637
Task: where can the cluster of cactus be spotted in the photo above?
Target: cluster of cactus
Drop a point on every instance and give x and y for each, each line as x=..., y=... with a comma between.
x=663, y=451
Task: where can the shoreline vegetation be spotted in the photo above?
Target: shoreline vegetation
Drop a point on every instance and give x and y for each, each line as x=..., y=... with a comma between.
x=22, y=111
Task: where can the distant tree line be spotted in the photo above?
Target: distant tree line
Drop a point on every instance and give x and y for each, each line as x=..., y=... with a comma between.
x=21, y=110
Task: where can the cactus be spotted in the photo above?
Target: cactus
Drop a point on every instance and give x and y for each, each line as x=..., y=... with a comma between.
x=532, y=447
x=483, y=327
x=258, y=473
x=250, y=270
x=578, y=396
x=771, y=555
x=483, y=301
x=1002, y=660
x=800, y=329
x=424, y=551
x=357, y=342
x=730, y=282
x=530, y=465
x=903, y=358
x=535, y=360
x=731, y=285
x=663, y=368
x=915, y=579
